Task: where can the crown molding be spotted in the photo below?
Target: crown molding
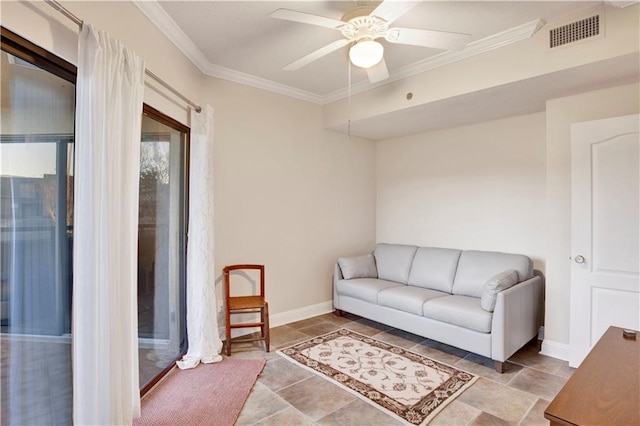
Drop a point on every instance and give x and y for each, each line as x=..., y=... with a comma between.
x=161, y=19
x=477, y=47
x=262, y=83
x=158, y=16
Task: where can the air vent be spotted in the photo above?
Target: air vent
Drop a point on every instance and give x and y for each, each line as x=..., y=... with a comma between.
x=575, y=31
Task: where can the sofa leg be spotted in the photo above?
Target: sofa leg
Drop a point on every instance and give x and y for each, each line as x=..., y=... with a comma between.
x=498, y=366
x=338, y=312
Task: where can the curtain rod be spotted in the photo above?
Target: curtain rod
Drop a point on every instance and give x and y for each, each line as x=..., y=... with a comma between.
x=57, y=6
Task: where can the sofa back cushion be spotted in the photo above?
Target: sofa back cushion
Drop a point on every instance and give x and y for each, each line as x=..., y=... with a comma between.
x=394, y=261
x=475, y=268
x=434, y=268
x=358, y=267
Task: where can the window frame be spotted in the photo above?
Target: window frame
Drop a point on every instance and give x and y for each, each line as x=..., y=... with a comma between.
x=22, y=48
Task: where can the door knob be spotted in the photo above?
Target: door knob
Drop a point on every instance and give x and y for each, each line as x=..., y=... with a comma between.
x=579, y=259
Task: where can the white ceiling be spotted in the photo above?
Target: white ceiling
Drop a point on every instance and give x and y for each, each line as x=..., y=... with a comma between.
x=238, y=40
x=507, y=100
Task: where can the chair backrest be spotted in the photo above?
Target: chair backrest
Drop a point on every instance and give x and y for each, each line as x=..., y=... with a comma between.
x=227, y=281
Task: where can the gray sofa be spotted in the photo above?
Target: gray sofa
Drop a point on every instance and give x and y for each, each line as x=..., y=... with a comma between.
x=488, y=303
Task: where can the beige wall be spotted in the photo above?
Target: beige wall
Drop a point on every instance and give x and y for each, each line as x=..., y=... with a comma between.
x=480, y=186
x=288, y=193
x=561, y=113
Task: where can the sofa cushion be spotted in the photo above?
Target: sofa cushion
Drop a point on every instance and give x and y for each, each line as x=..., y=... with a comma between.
x=475, y=268
x=394, y=261
x=364, y=288
x=408, y=298
x=358, y=267
x=495, y=285
x=463, y=311
x=434, y=268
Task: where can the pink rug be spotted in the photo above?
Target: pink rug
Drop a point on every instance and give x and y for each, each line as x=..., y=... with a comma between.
x=210, y=394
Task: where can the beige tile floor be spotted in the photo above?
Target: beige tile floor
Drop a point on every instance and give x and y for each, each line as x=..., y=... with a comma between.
x=286, y=394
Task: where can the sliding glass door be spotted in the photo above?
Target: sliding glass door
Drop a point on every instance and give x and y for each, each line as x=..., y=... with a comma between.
x=161, y=244
x=36, y=236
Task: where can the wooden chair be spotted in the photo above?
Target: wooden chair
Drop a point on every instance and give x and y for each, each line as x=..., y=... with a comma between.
x=246, y=304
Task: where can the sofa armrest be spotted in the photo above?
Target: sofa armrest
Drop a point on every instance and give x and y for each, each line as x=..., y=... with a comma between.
x=337, y=275
x=516, y=318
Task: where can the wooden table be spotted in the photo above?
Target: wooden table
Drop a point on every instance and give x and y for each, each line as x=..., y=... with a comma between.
x=605, y=389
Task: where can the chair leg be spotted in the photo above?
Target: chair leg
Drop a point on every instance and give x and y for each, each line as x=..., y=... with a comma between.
x=267, y=340
x=227, y=344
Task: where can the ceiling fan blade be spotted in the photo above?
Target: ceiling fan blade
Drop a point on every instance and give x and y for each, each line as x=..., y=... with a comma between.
x=378, y=72
x=427, y=38
x=390, y=10
x=316, y=55
x=306, y=18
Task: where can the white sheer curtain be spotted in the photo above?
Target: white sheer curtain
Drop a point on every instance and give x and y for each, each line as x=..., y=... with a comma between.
x=109, y=96
x=202, y=321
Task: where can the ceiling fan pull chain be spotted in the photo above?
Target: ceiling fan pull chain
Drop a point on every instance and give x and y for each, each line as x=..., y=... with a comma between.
x=349, y=99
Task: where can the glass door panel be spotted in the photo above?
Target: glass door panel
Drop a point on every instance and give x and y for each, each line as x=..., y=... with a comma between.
x=36, y=238
x=161, y=313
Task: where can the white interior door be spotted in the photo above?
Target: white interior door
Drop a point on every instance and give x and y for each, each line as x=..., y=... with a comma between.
x=605, y=233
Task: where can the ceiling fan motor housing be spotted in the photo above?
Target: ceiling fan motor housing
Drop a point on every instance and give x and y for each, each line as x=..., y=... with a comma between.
x=364, y=27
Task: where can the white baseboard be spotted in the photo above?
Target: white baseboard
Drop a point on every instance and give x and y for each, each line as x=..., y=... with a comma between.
x=555, y=350
x=299, y=314
x=287, y=317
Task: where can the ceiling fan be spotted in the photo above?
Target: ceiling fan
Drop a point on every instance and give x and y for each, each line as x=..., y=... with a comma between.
x=361, y=27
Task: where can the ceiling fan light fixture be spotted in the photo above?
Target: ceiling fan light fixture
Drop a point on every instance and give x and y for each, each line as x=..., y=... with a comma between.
x=366, y=53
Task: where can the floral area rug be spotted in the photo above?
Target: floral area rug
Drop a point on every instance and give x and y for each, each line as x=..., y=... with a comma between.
x=408, y=386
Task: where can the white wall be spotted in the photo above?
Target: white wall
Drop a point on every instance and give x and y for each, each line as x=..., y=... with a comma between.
x=480, y=186
x=561, y=113
x=288, y=193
